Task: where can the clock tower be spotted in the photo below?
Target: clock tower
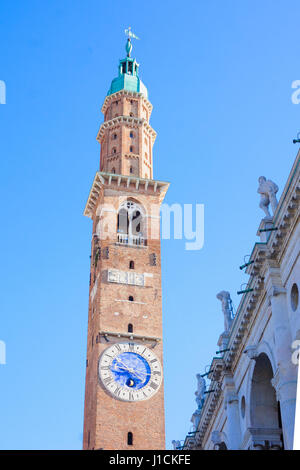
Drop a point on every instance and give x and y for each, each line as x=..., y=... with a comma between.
x=124, y=398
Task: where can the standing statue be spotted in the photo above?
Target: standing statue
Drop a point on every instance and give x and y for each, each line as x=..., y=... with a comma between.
x=195, y=419
x=267, y=189
x=176, y=444
x=225, y=298
x=201, y=387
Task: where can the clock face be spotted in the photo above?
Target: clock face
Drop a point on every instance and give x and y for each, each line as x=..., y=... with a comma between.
x=130, y=371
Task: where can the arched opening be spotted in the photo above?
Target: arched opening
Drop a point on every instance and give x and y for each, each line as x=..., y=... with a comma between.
x=131, y=265
x=130, y=439
x=130, y=328
x=130, y=298
x=131, y=224
x=264, y=407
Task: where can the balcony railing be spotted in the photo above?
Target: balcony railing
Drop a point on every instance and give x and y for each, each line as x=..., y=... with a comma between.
x=131, y=240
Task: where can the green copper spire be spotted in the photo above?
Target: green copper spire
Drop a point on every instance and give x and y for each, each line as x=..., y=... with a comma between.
x=128, y=78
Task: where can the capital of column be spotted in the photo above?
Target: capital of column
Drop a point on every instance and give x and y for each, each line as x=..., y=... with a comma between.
x=273, y=281
x=231, y=398
x=285, y=384
x=252, y=352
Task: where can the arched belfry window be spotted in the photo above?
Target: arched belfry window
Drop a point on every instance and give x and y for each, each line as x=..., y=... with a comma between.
x=131, y=224
x=130, y=439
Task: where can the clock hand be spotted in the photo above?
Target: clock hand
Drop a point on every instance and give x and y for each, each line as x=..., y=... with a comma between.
x=130, y=370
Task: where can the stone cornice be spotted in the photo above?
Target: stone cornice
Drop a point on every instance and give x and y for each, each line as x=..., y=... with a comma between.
x=129, y=94
x=132, y=184
x=130, y=120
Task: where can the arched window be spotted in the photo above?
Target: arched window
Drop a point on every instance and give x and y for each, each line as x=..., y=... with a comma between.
x=115, y=136
x=130, y=298
x=131, y=224
x=264, y=410
x=113, y=170
x=131, y=135
x=131, y=170
x=131, y=149
x=114, y=150
x=131, y=265
x=130, y=328
x=130, y=439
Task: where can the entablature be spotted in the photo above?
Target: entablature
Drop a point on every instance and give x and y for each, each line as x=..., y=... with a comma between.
x=125, y=183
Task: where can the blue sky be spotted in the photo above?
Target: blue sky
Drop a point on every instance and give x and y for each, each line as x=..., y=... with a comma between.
x=219, y=76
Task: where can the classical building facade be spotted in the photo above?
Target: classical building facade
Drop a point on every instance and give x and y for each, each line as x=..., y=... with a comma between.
x=246, y=400
x=124, y=401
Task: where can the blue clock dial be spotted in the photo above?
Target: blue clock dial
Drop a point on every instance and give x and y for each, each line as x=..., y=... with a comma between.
x=131, y=370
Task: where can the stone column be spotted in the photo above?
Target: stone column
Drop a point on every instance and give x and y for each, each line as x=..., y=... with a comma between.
x=233, y=416
x=285, y=378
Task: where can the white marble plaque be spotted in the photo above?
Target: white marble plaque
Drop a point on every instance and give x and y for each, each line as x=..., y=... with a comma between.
x=124, y=277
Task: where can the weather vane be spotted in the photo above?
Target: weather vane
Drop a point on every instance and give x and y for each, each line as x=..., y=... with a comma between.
x=130, y=35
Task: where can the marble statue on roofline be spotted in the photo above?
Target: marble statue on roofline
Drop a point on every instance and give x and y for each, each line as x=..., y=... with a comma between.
x=200, y=393
x=225, y=298
x=195, y=419
x=267, y=189
x=176, y=444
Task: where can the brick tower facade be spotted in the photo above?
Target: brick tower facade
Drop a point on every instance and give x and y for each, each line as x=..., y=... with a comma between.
x=124, y=401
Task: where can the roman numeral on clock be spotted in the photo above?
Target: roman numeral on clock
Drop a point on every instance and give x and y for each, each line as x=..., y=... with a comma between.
x=153, y=385
x=107, y=380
